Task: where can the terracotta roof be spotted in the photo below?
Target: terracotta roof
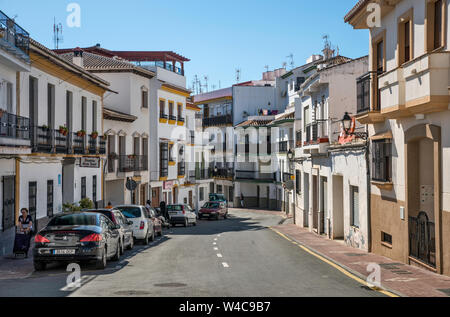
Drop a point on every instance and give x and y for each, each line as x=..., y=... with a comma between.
x=41, y=49
x=283, y=117
x=94, y=62
x=135, y=56
x=254, y=123
x=109, y=114
x=359, y=5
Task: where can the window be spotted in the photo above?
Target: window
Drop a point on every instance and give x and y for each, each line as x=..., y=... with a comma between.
x=405, y=37
x=50, y=198
x=9, y=97
x=298, y=138
x=122, y=145
x=180, y=110
x=380, y=56
x=202, y=193
x=164, y=159
x=219, y=189
x=32, y=200
x=381, y=160
x=435, y=26
x=300, y=81
x=51, y=106
x=162, y=109
x=354, y=191
x=171, y=115
x=83, y=187
x=298, y=184
x=94, y=189
x=230, y=193
x=69, y=110
x=386, y=238
x=83, y=113
x=144, y=96
x=136, y=146
x=171, y=156
x=94, y=116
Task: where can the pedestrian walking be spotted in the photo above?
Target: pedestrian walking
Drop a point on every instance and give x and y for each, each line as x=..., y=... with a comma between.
x=109, y=206
x=24, y=233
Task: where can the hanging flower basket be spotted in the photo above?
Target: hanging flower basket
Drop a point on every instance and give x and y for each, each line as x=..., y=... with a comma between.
x=81, y=133
x=94, y=135
x=63, y=130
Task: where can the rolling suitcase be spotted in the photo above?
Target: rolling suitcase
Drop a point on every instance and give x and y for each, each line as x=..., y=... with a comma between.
x=21, y=244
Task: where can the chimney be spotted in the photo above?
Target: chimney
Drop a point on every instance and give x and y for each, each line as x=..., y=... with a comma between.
x=78, y=57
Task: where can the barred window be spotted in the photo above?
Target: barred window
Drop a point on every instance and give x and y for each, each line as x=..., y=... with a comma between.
x=50, y=198
x=298, y=184
x=164, y=159
x=382, y=160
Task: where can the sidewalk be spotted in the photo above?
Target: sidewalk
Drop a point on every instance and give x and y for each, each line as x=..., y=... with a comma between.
x=16, y=268
x=397, y=278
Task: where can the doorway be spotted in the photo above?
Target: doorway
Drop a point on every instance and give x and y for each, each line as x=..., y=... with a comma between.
x=315, y=203
x=337, y=227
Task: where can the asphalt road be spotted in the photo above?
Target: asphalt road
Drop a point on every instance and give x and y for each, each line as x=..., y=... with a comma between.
x=238, y=257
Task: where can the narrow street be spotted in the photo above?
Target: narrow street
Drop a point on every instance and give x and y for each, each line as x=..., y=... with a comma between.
x=238, y=257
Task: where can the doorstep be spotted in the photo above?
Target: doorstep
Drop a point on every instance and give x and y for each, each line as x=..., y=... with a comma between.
x=398, y=278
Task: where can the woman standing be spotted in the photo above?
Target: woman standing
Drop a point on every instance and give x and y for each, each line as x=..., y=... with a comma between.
x=23, y=236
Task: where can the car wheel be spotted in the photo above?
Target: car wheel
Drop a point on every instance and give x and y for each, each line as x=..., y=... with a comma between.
x=101, y=264
x=39, y=266
x=186, y=223
x=152, y=238
x=146, y=240
x=122, y=248
x=131, y=245
x=117, y=255
x=225, y=216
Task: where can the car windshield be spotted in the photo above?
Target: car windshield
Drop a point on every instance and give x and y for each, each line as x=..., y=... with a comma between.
x=216, y=197
x=175, y=208
x=131, y=212
x=103, y=212
x=74, y=220
x=211, y=205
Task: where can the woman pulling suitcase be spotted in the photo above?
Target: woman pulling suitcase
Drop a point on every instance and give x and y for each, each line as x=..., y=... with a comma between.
x=23, y=234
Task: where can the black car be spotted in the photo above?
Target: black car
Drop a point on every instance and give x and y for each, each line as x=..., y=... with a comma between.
x=77, y=237
x=126, y=227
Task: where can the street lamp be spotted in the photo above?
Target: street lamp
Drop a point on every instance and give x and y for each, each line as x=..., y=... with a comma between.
x=290, y=155
x=347, y=126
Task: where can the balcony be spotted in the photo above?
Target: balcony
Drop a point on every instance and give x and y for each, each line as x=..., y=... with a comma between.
x=102, y=146
x=78, y=144
x=426, y=84
x=13, y=38
x=256, y=176
x=61, y=142
x=142, y=163
x=203, y=174
x=42, y=139
x=92, y=145
x=172, y=119
x=316, y=138
x=163, y=117
x=180, y=120
x=285, y=146
x=368, y=99
x=223, y=173
x=132, y=163
x=218, y=121
x=14, y=130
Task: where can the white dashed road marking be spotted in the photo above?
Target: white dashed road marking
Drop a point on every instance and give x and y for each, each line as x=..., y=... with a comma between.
x=219, y=255
x=225, y=265
x=216, y=249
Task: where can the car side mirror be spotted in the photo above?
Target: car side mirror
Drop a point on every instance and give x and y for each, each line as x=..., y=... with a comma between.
x=117, y=227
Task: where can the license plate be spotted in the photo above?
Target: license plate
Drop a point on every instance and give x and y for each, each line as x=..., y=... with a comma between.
x=205, y=215
x=64, y=252
x=173, y=213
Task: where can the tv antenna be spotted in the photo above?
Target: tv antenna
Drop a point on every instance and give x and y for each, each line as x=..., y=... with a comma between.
x=291, y=60
x=57, y=33
x=284, y=65
x=238, y=75
x=205, y=78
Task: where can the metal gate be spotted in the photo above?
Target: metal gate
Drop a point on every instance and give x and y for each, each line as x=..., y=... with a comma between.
x=422, y=243
x=9, y=202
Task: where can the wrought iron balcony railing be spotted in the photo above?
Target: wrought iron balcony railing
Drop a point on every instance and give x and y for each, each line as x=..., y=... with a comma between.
x=92, y=145
x=13, y=34
x=15, y=127
x=220, y=120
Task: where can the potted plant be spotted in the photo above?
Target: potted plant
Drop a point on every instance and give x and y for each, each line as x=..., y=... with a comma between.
x=132, y=156
x=63, y=130
x=94, y=135
x=81, y=133
x=45, y=128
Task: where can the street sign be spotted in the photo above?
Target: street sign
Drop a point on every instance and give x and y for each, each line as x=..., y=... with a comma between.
x=131, y=184
x=90, y=162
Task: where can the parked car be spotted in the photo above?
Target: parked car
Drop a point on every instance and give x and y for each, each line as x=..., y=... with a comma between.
x=182, y=214
x=157, y=223
x=126, y=227
x=217, y=197
x=77, y=237
x=213, y=210
x=143, y=228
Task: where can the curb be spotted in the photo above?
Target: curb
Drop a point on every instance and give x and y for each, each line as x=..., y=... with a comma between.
x=346, y=268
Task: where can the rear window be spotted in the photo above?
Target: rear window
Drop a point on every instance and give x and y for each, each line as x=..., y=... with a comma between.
x=175, y=208
x=216, y=197
x=131, y=212
x=74, y=220
x=106, y=213
x=211, y=205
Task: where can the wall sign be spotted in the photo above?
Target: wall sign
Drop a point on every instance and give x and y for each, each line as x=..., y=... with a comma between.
x=90, y=162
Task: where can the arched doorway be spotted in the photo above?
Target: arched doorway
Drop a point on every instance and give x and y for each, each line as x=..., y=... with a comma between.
x=423, y=183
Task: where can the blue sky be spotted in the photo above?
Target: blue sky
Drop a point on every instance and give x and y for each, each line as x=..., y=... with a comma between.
x=218, y=36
